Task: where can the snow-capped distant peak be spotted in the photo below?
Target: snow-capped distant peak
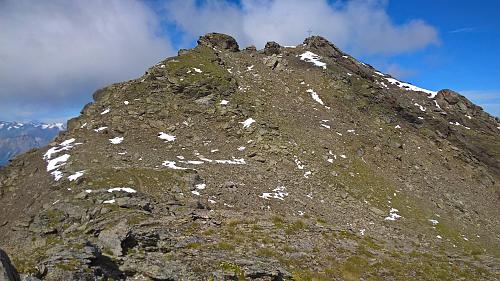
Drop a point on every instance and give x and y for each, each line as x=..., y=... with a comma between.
x=4, y=125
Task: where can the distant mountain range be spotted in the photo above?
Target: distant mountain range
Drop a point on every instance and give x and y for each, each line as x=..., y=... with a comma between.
x=18, y=137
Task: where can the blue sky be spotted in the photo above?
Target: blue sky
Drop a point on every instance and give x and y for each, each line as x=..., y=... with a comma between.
x=54, y=54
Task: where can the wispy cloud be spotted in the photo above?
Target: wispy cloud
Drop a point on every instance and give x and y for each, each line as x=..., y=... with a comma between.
x=400, y=72
x=464, y=30
x=363, y=27
x=54, y=53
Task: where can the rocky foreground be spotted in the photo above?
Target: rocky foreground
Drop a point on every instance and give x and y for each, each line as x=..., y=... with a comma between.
x=287, y=163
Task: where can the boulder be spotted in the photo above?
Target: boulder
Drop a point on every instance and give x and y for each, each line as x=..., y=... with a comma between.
x=219, y=40
x=272, y=48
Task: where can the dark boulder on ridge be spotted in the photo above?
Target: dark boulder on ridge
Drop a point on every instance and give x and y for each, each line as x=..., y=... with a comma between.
x=219, y=40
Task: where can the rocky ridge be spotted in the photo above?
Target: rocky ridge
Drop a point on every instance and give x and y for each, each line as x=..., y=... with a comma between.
x=287, y=163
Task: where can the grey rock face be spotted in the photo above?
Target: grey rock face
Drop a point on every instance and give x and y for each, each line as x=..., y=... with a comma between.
x=7, y=270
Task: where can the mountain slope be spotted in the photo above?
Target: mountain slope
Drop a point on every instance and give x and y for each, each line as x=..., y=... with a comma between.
x=18, y=137
x=287, y=163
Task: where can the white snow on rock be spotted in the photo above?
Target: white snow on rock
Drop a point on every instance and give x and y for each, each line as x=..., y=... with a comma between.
x=250, y=67
x=224, y=102
x=434, y=222
x=192, y=162
x=312, y=58
x=421, y=107
x=166, y=137
x=109, y=201
x=393, y=215
x=197, y=70
x=298, y=163
x=196, y=192
x=76, y=175
x=126, y=102
x=458, y=124
x=379, y=73
x=247, y=123
x=116, y=140
x=100, y=129
x=57, y=162
x=172, y=165
x=65, y=145
x=106, y=111
x=315, y=96
x=410, y=87
x=325, y=125
x=122, y=189
x=200, y=186
x=278, y=193
x=241, y=148
x=57, y=175
x=234, y=161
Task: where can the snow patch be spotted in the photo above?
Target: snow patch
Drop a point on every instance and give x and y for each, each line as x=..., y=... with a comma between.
x=100, y=129
x=172, y=165
x=410, y=87
x=315, y=96
x=421, y=107
x=247, y=123
x=76, y=175
x=166, y=137
x=434, y=222
x=122, y=189
x=57, y=162
x=278, y=193
x=393, y=215
x=312, y=58
x=116, y=140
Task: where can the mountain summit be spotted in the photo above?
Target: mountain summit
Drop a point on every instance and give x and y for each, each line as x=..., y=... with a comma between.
x=287, y=163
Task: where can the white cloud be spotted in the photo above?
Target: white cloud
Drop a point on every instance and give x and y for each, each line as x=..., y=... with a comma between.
x=362, y=27
x=52, y=51
x=397, y=71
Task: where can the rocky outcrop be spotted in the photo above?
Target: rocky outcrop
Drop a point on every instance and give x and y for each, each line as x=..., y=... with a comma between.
x=219, y=40
x=7, y=270
x=272, y=48
x=323, y=46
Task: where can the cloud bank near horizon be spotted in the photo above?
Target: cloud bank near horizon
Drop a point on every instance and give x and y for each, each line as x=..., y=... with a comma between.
x=54, y=54
x=362, y=27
